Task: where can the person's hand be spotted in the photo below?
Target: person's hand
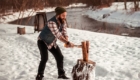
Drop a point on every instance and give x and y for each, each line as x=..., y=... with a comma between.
x=69, y=44
x=66, y=38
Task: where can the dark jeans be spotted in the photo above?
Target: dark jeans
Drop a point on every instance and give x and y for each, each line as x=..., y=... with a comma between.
x=44, y=57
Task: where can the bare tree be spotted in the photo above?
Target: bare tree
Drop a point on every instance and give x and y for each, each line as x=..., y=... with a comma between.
x=125, y=4
x=22, y=5
x=136, y=5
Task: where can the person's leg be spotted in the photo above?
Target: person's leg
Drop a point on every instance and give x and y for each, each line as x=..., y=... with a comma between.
x=44, y=56
x=59, y=60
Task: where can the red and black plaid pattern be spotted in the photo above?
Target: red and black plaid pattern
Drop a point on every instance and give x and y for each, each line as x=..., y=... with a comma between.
x=53, y=27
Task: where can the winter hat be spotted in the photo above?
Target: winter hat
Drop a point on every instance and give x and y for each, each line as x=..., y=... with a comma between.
x=59, y=10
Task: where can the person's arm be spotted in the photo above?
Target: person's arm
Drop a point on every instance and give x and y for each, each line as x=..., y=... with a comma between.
x=64, y=31
x=53, y=27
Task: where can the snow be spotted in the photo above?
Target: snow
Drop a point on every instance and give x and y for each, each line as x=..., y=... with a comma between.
x=76, y=5
x=116, y=57
x=30, y=12
x=117, y=14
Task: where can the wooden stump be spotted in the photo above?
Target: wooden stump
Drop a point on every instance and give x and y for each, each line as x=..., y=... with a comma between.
x=21, y=30
x=84, y=69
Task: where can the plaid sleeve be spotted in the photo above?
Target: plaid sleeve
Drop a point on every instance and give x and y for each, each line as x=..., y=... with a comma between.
x=64, y=30
x=53, y=27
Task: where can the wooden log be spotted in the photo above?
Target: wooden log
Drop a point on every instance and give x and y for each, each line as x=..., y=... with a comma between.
x=84, y=70
x=21, y=30
x=87, y=44
x=84, y=51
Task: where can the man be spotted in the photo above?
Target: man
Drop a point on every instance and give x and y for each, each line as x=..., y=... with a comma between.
x=55, y=28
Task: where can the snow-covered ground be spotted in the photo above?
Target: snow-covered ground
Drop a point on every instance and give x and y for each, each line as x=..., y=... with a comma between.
x=116, y=57
x=30, y=12
x=117, y=14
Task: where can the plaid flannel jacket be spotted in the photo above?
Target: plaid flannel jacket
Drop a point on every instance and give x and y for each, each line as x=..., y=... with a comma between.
x=55, y=31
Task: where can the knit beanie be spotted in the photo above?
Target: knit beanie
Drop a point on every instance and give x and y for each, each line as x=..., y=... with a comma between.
x=59, y=10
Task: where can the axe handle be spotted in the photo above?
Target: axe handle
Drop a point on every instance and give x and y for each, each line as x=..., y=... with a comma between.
x=78, y=46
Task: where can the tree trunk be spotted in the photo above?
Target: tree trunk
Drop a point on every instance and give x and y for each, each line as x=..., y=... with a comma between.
x=125, y=4
x=136, y=5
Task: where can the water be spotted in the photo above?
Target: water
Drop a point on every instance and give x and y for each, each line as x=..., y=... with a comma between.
x=77, y=20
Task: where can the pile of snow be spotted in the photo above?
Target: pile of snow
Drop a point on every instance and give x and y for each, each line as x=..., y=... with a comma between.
x=117, y=14
x=116, y=57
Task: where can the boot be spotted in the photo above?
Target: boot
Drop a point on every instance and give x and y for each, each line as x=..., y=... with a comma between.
x=63, y=76
x=39, y=77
